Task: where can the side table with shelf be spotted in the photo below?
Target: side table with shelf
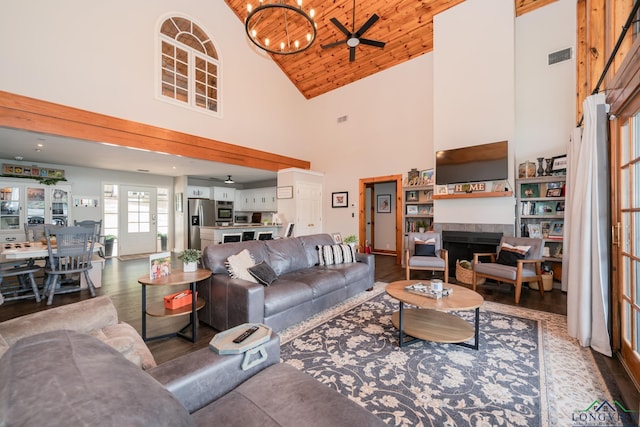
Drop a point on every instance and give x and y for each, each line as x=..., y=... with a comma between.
x=158, y=309
x=540, y=213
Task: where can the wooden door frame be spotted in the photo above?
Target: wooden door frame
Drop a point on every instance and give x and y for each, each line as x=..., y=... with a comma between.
x=362, y=215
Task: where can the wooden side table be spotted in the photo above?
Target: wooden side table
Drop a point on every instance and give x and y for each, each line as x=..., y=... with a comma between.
x=158, y=309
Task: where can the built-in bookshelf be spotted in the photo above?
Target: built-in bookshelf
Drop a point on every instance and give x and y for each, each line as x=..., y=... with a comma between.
x=540, y=205
x=417, y=208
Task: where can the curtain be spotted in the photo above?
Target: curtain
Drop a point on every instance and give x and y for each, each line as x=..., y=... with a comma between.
x=586, y=244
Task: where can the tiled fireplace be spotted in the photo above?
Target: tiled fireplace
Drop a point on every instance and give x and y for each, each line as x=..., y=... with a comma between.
x=463, y=240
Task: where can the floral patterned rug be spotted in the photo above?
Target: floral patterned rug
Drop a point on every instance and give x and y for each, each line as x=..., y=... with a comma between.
x=527, y=372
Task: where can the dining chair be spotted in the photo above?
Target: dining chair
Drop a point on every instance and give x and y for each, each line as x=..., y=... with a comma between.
x=96, y=226
x=70, y=251
x=36, y=233
x=424, y=252
x=518, y=260
x=23, y=271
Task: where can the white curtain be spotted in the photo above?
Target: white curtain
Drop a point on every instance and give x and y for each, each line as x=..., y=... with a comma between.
x=586, y=244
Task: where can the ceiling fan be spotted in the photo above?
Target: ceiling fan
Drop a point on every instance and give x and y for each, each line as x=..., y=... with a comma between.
x=229, y=180
x=354, y=38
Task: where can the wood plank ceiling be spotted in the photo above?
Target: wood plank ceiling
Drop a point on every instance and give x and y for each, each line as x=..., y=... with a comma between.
x=406, y=26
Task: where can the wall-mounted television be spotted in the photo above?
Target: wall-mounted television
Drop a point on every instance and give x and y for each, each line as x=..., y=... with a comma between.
x=485, y=162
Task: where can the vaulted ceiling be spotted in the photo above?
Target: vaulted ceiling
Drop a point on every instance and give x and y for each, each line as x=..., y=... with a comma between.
x=406, y=26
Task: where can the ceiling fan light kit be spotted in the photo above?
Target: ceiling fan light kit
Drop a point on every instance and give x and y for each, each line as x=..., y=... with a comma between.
x=229, y=180
x=280, y=28
x=354, y=38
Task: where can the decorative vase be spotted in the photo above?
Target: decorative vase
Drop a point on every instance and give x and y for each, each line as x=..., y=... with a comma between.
x=540, y=167
x=549, y=166
x=189, y=267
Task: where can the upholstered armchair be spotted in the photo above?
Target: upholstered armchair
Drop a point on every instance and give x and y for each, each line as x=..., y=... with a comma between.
x=424, y=252
x=518, y=260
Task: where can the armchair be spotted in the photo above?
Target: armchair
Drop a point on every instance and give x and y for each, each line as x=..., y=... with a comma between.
x=509, y=269
x=436, y=260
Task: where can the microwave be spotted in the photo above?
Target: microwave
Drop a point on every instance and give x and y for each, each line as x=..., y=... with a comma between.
x=224, y=211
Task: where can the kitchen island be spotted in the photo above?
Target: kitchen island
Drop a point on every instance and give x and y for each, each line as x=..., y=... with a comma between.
x=214, y=235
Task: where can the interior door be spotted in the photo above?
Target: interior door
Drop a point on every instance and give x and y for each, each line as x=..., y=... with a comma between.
x=626, y=233
x=137, y=225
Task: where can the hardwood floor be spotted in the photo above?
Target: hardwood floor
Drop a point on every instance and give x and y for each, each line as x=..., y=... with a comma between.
x=120, y=283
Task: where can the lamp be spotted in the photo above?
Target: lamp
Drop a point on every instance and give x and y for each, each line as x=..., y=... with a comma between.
x=280, y=28
x=229, y=180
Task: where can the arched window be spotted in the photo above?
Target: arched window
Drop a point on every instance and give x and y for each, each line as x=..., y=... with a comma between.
x=190, y=69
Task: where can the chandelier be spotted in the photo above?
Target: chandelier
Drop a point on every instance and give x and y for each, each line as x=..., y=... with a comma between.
x=280, y=28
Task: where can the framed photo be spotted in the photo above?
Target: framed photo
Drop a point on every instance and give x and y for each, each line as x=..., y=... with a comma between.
x=559, y=166
x=412, y=210
x=554, y=192
x=159, y=265
x=529, y=190
x=428, y=178
x=535, y=231
x=442, y=189
x=337, y=237
x=340, y=199
x=557, y=228
x=412, y=196
x=384, y=203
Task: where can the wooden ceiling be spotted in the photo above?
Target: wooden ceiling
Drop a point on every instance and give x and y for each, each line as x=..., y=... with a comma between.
x=406, y=26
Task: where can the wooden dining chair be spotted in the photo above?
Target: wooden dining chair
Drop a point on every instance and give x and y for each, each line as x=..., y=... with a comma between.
x=70, y=251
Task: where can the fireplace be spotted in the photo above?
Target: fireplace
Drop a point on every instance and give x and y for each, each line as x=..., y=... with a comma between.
x=463, y=244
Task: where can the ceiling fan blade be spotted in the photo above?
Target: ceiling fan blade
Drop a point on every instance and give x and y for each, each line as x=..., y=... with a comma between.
x=375, y=43
x=340, y=27
x=326, y=46
x=352, y=54
x=367, y=25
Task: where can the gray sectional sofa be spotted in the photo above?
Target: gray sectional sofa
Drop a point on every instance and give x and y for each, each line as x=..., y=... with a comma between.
x=63, y=377
x=302, y=288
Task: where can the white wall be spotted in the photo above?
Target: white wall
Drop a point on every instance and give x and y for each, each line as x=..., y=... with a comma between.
x=545, y=94
x=474, y=95
x=101, y=57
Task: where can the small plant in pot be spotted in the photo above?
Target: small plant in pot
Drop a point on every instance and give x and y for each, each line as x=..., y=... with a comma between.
x=422, y=226
x=190, y=259
x=351, y=240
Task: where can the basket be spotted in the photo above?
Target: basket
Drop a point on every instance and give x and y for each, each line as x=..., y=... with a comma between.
x=464, y=275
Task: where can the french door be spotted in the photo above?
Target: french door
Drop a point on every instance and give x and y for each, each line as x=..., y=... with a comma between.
x=138, y=220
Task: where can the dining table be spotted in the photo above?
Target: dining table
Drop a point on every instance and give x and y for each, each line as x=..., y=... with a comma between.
x=33, y=251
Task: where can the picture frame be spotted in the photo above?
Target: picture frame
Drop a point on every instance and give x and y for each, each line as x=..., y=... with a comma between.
x=412, y=210
x=412, y=196
x=442, y=189
x=340, y=199
x=384, y=203
x=528, y=191
x=535, y=231
x=557, y=228
x=559, y=165
x=337, y=237
x=428, y=177
x=554, y=192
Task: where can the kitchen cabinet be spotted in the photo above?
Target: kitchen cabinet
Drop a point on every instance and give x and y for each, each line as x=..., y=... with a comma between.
x=227, y=194
x=198, y=192
x=256, y=199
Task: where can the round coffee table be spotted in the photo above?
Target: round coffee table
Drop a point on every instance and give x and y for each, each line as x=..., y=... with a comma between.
x=430, y=320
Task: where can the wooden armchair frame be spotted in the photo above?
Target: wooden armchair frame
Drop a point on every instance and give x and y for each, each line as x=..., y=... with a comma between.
x=518, y=268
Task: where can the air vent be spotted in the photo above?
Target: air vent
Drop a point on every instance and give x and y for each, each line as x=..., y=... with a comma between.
x=342, y=119
x=560, y=56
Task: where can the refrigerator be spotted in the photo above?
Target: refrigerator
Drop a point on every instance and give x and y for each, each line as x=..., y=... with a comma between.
x=201, y=213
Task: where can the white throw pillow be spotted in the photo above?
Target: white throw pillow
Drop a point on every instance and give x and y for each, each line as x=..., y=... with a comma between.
x=238, y=266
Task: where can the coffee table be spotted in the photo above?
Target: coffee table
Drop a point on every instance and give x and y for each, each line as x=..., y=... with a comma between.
x=429, y=319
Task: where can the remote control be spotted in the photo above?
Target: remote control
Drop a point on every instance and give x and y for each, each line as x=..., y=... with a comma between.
x=243, y=336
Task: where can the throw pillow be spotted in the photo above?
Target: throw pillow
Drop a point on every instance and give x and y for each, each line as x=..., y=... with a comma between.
x=424, y=249
x=509, y=254
x=431, y=241
x=263, y=273
x=238, y=266
x=335, y=254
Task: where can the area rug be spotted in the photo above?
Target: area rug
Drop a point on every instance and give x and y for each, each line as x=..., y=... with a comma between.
x=527, y=372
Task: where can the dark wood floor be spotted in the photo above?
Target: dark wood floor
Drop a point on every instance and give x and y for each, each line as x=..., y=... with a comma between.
x=120, y=283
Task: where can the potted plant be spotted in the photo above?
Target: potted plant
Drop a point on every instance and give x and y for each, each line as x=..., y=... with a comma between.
x=351, y=240
x=163, y=241
x=422, y=226
x=190, y=259
x=109, y=239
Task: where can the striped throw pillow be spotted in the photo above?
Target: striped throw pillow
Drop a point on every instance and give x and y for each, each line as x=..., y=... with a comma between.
x=335, y=254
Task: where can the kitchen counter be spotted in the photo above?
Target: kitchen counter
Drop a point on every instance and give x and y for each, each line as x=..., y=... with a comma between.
x=213, y=235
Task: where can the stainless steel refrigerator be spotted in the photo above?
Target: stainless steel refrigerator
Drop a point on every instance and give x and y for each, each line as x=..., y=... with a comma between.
x=201, y=213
